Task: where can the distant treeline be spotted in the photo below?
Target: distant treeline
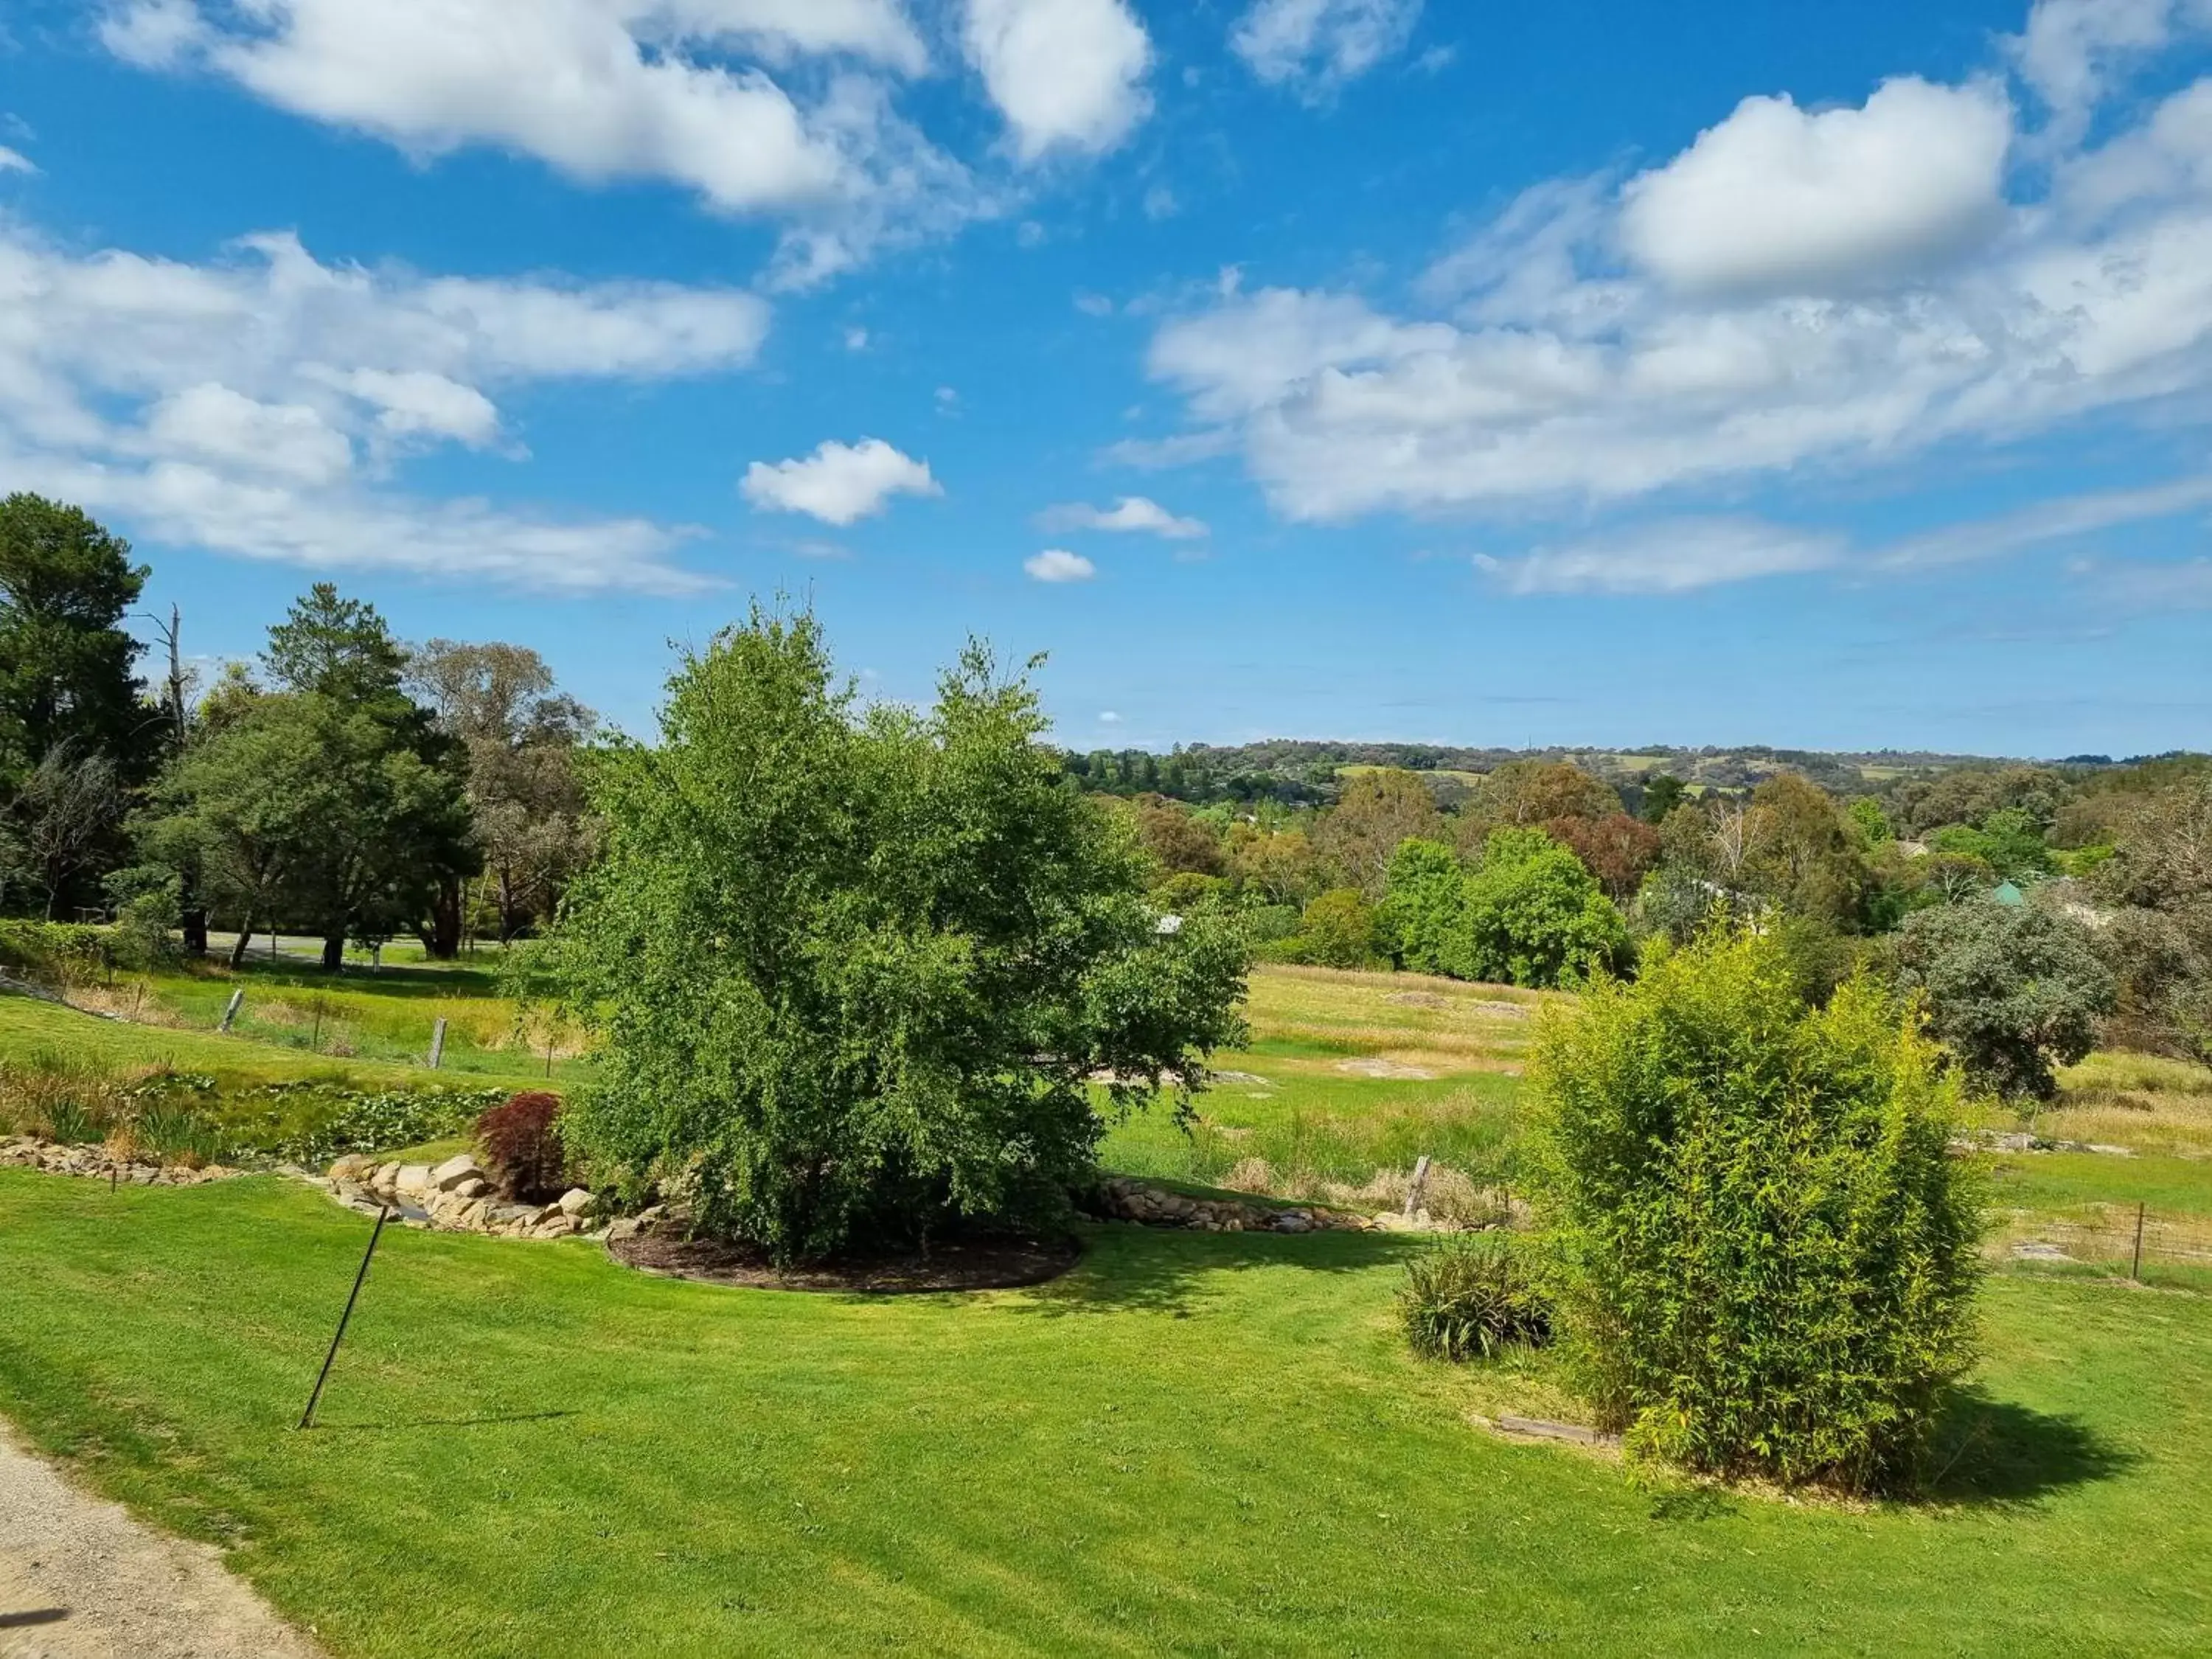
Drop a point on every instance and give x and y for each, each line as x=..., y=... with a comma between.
x=1306, y=773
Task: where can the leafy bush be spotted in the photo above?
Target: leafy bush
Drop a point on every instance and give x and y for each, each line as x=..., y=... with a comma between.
x=851, y=972
x=1529, y=913
x=1471, y=1297
x=59, y=954
x=1763, y=1255
x=2010, y=989
x=520, y=1141
x=1336, y=931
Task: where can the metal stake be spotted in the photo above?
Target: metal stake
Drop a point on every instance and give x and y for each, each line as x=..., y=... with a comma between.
x=2135, y=1271
x=231, y=1013
x=308, y=1416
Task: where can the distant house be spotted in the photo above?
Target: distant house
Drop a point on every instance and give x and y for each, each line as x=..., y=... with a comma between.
x=2006, y=894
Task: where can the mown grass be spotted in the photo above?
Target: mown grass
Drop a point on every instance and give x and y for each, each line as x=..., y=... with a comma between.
x=1193, y=1443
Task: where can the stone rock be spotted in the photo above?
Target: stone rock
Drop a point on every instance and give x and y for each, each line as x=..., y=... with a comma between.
x=354, y=1166
x=413, y=1180
x=476, y=1189
x=628, y=1228
x=455, y=1172
x=577, y=1201
x=1291, y=1221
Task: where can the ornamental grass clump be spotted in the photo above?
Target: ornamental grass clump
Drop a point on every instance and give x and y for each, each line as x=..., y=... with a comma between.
x=1472, y=1297
x=1763, y=1255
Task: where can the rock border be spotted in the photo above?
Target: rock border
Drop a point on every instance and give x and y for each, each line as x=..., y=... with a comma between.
x=456, y=1196
x=95, y=1161
x=1125, y=1198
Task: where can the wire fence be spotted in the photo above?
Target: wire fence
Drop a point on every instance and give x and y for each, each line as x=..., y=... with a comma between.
x=2132, y=1240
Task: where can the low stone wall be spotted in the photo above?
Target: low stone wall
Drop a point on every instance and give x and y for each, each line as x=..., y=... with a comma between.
x=98, y=1164
x=457, y=1197
x=1121, y=1199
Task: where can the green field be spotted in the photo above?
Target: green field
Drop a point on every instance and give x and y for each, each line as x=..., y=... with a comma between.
x=1191, y=1443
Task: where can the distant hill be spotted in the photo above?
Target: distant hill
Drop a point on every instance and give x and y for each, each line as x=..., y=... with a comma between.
x=1303, y=773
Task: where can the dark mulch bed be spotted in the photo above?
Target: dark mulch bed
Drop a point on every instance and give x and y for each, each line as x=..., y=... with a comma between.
x=962, y=1265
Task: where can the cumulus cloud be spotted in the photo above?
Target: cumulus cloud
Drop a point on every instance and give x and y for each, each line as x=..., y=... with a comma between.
x=254, y=404
x=838, y=483
x=1129, y=513
x=1778, y=198
x=1057, y=564
x=1066, y=73
x=2070, y=49
x=1318, y=45
x=15, y=162
x=1560, y=360
x=1672, y=556
x=603, y=89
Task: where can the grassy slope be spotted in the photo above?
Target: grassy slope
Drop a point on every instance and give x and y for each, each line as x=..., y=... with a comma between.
x=1194, y=1443
x=31, y=1030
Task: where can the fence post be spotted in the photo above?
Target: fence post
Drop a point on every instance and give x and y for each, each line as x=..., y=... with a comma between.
x=231, y=1013
x=437, y=1044
x=2135, y=1271
x=1413, y=1186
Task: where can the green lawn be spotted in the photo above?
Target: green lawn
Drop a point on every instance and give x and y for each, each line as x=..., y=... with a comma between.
x=1194, y=1443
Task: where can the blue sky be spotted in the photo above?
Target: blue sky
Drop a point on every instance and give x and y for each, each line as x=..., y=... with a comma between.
x=1596, y=372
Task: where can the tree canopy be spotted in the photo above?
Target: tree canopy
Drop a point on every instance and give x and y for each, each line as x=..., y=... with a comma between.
x=852, y=971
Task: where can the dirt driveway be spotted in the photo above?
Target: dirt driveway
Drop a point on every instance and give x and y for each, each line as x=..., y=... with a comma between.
x=80, y=1579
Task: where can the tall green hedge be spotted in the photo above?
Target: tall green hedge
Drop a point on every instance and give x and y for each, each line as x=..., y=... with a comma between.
x=1765, y=1254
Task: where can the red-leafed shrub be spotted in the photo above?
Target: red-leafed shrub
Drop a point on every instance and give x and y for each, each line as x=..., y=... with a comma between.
x=521, y=1147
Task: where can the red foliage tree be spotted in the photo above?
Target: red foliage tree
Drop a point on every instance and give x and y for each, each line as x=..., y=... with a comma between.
x=1618, y=850
x=522, y=1146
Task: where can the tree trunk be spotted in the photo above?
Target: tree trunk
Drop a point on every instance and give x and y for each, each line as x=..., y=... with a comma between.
x=245, y=938
x=443, y=943
x=334, y=952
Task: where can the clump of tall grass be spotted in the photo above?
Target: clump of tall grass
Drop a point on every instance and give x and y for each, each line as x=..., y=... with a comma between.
x=1473, y=1296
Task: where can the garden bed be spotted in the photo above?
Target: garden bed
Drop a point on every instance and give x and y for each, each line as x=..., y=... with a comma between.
x=961, y=1265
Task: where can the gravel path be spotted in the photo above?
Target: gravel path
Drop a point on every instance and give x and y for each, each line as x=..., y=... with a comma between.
x=80, y=1579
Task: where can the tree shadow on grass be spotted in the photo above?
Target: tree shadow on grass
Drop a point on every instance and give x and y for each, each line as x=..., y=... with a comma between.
x=1127, y=1268
x=1995, y=1452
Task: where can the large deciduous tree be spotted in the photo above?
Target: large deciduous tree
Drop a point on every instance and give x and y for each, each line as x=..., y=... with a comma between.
x=520, y=736
x=397, y=860
x=1378, y=811
x=851, y=972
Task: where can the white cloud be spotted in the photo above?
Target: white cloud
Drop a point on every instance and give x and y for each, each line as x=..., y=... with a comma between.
x=2070, y=49
x=1066, y=73
x=1319, y=45
x=1538, y=372
x=211, y=422
x=154, y=34
x=1057, y=564
x=1777, y=197
x=15, y=162
x=1107, y=717
x=228, y=405
x=2060, y=518
x=1674, y=556
x=416, y=404
x=838, y=483
x=1129, y=513
x=604, y=89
